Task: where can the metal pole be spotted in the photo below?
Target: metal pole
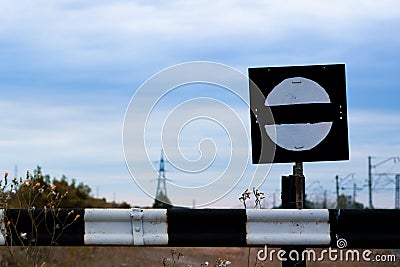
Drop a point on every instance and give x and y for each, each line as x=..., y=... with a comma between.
x=293, y=197
x=397, y=196
x=370, y=182
x=337, y=191
x=298, y=168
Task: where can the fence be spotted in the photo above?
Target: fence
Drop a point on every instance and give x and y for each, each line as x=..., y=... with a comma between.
x=206, y=227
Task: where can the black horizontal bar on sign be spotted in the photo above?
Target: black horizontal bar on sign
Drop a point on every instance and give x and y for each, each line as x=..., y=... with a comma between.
x=378, y=228
x=202, y=228
x=45, y=227
x=303, y=113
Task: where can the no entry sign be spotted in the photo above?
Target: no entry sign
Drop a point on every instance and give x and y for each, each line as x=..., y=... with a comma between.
x=300, y=112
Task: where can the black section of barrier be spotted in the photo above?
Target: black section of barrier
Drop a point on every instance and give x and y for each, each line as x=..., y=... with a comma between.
x=376, y=228
x=45, y=227
x=208, y=227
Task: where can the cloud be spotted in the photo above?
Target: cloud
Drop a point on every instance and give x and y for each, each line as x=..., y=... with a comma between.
x=69, y=68
x=80, y=35
x=58, y=134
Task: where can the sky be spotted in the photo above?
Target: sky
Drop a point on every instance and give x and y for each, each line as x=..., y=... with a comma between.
x=70, y=71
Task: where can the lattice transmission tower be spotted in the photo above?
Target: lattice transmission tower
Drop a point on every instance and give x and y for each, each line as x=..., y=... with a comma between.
x=161, y=200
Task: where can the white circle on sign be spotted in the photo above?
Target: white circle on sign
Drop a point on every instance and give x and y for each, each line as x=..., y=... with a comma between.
x=302, y=136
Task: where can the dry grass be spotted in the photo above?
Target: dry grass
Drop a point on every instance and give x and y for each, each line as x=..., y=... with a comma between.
x=153, y=256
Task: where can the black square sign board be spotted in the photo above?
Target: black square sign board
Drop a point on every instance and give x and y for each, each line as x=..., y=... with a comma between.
x=298, y=114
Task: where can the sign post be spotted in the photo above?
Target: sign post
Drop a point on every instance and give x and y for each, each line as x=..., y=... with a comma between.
x=293, y=197
x=302, y=116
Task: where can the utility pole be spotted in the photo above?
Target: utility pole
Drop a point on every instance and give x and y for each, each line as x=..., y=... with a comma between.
x=325, y=203
x=370, y=182
x=397, y=194
x=337, y=191
x=370, y=167
x=338, y=181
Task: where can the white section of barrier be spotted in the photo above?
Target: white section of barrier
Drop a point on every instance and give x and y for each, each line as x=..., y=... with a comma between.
x=138, y=227
x=288, y=227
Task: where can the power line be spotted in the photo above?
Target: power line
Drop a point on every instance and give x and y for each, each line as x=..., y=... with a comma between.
x=370, y=167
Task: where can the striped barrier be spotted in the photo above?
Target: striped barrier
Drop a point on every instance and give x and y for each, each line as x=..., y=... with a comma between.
x=202, y=227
